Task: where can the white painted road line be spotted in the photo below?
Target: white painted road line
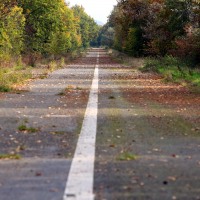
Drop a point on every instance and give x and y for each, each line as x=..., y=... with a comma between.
x=81, y=175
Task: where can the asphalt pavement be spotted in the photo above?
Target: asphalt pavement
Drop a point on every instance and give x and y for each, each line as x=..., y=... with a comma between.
x=139, y=151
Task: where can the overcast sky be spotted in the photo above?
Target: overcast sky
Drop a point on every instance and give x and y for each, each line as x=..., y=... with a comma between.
x=98, y=9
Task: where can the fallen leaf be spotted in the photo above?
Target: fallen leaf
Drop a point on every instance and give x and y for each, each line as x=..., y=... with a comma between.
x=54, y=190
x=172, y=178
x=38, y=174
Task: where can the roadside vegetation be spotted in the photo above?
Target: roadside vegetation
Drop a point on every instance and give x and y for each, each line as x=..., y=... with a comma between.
x=10, y=156
x=10, y=77
x=165, y=32
x=174, y=70
x=40, y=34
x=26, y=129
x=127, y=156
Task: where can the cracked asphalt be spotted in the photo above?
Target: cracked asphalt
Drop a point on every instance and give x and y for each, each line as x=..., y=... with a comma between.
x=148, y=134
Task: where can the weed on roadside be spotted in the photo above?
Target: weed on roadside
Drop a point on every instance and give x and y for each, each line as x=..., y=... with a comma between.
x=173, y=70
x=5, y=88
x=43, y=76
x=11, y=77
x=10, y=156
x=58, y=133
x=69, y=88
x=24, y=128
x=127, y=156
x=52, y=66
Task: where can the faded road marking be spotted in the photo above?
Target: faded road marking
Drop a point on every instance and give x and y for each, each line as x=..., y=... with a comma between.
x=81, y=176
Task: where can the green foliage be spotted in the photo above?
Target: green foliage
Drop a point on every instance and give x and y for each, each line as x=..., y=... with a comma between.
x=155, y=64
x=106, y=36
x=22, y=127
x=45, y=20
x=11, y=33
x=134, y=43
x=126, y=22
x=173, y=69
x=59, y=43
x=87, y=27
x=43, y=27
x=4, y=88
x=31, y=30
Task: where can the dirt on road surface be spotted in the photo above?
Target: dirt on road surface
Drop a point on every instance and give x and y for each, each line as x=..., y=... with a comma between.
x=148, y=134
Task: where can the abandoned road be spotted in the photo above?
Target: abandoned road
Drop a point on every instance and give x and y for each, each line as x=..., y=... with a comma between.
x=97, y=129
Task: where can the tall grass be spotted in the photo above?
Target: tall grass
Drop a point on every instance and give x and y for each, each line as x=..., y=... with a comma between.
x=14, y=71
x=173, y=69
x=9, y=77
x=125, y=59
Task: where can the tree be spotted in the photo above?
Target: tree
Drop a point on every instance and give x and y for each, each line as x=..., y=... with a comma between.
x=106, y=36
x=155, y=27
x=87, y=27
x=127, y=20
x=11, y=30
x=44, y=18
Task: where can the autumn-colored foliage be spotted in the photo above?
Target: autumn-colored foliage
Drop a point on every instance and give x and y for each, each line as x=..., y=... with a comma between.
x=34, y=29
x=156, y=28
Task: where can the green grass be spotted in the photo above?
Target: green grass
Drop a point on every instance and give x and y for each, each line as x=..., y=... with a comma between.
x=5, y=88
x=10, y=156
x=174, y=70
x=24, y=128
x=9, y=77
x=127, y=156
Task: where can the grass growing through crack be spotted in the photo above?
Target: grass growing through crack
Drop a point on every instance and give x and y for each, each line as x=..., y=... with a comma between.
x=58, y=133
x=127, y=156
x=24, y=128
x=10, y=156
x=70, y=88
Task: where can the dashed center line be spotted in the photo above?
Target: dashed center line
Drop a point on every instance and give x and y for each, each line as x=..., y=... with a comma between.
x=81, y=175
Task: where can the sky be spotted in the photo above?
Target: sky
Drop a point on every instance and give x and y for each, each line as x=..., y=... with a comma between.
x=97, y=9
